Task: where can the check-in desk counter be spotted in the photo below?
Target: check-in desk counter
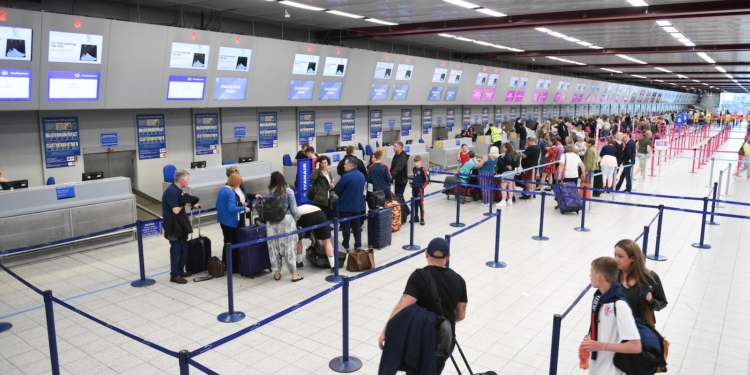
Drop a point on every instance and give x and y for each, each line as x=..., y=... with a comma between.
x=444, y=152
x=206, y=182
x=413, y=150
x=37, y=216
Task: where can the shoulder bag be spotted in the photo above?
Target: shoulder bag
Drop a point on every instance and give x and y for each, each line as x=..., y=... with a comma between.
x=360, y=260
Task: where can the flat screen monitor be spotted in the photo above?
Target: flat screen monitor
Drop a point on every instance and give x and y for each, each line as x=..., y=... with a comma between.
x=245, y=159
x=64, y=85
x=340, y=148
x=75, y=48
x=88, y=176
x=17, y=43
x=15, y=84
x=189, y=56
x=335, y=66
x=305, y=64
x=198, y=164
x=13, y=185
x=409, y=141
x=186, y=87
x=234, y=59
x=386, y=144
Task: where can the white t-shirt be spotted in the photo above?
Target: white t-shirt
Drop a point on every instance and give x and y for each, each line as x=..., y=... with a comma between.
x=571, y=164
x=613, y=329
x=306, y=208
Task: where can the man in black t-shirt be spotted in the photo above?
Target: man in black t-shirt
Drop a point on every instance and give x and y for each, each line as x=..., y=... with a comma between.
x=451, y=289
x=530, y=159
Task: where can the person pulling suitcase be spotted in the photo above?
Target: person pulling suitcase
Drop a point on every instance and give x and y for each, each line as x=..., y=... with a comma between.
x=177, y=225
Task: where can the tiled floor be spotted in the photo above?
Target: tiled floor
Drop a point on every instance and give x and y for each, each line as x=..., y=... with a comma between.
x=507, y=329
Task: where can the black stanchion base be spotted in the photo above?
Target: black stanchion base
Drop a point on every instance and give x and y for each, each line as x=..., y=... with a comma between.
x=493, y=264
x=458, y=225
x=712, y=223
x=231, y=317
x=488, y=214
x=339, y=365
x=143, y=283
x=5, y=326
x=582, y=229
x=334, y=278
x=540, y=238
x=656, y=258
x=411, y=247
x=701, y=246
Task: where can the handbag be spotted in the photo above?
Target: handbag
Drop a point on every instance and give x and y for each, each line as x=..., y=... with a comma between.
x=360, y=260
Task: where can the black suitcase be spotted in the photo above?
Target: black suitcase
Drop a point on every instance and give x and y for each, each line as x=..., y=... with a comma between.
x=379, y=229
x=598, y=183
x=467, y=364
x=252, y=259
x=199, y=250
x=316, y=255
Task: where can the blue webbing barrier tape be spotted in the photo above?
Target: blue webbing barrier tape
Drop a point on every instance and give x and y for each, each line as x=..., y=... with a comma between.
x=118, y=330
x=406, y=202
x=575, y=302
x=708, y=212
x=201, y=367
x=65, y=241
x=222, y=341
x=24, y=282
x=456, y=233
x=649, y=225
x=380, y=268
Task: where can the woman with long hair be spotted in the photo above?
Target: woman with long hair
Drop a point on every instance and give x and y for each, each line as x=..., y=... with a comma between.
x=487, y=173
x=642, y=287
x=322, y=180
x=745, y=160
x=285, y=247
x=506, y=167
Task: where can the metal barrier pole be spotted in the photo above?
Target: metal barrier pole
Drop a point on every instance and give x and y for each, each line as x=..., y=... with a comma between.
x=694, y=151
x=700, y=155
x=726, y=189
x=713, y=206
x=448, y=240
x=652, y=165
x=541, y=236
x=143, y=281
x=701, y=245
x=458, y=222
x=51, y=336
x=497, y=263
x=718, y=196
x=711, y=176
x=656, y=255
x=411, y=245
x=583, y=228
x=335, y=277
x=231, y=316
x=345, y=363
x=556, y=327
x=645, y=240
x=183, y=356
x=492, y=197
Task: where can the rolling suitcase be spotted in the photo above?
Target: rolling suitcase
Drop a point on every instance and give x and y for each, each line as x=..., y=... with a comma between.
x=252, y=259
x=199, y=250
x=467, y=364
x=405, y=209
x=379, y=231
x=568, y=197
x=395, y=215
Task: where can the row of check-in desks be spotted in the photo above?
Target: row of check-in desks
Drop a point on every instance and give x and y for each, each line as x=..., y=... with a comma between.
x=445, y=152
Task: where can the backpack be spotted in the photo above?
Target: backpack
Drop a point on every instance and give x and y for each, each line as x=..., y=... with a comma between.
x=271, y=209
x=742, y=151
x=651, y=356
x=443, y=331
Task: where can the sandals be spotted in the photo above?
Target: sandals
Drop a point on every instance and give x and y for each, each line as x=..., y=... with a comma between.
x=295, y=280
x=277, y=278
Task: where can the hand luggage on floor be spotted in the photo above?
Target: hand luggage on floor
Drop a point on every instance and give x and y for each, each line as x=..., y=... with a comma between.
x=199, y=250
x=379, y=231
x=395, y=215
x=316, y=255
x=252, y=259
x=598, y=183
x=568, y=197
x=587, y=185
x=405, y=208
x=360, y=260
x=375, y=199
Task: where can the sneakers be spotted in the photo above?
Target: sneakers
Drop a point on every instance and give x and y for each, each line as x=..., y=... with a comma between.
x=421, y=222
x=177, y=279
x=510, y=203
x=501, y=204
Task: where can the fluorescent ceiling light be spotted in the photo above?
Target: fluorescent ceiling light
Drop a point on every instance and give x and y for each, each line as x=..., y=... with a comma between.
x=611, y=70
x=564, y=60
x=677, y=35
x=728, y=76
x=464, y=39
x=515, y=50
x=708, y=59
x=695, y=80
x=490, y=12
x=559, y=35
x=637, y=76
x=298, y=5
x=671, y=29
x=705, y=84
x=596, y=47
x=336, y=12
x=663, y=23
x=658, y=80
x=689, y=44
x=384, y=22
x=673, y=84
x=663, y=70
x=499, y=46
x=571, y=39
x=585, y=44
x=638, y=3
x=681, y=76
x=720, y=69
x=444, y=35
x=483, y=43
x=631, y=59
x=462, y=3
x=544, y=30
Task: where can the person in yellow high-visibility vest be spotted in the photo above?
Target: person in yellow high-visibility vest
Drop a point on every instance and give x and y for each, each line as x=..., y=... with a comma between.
x=496, y=136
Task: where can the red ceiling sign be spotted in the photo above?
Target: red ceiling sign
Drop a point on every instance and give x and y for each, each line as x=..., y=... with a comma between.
x=77, y=23
x=192, y=35
x=3, y=15
x=309, y=47
x=237, y=39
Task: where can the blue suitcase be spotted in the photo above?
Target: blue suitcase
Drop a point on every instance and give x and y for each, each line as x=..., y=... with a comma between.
x=379, y=229
x=254, y=258
x=568, y=197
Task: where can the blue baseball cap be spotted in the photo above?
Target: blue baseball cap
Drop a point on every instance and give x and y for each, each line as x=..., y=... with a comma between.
x=441, y=245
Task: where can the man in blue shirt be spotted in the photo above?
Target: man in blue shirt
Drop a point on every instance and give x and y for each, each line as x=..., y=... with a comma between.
x=350, y=203
x=379, y=175
x=172, y=210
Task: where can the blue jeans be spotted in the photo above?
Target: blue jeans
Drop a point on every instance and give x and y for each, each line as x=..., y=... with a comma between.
x=355, y=225
x=178, y=256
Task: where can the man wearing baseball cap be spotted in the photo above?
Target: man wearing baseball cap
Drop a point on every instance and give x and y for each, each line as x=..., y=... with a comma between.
x=451, y=289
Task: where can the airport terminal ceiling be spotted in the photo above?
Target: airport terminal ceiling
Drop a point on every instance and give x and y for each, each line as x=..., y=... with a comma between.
x=691, y=46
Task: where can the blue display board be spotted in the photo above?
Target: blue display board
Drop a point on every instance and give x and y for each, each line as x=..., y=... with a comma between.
x=61, y=141
x=536, y=113
x=239, y=132
x=152, y=139
x=450, y=119
x=151, y=228
x=347, y=125
x=426, y=121
x=108, y=140
x=450, y=94
x=513, y=114
x=306, y=122
x=467, y=118
x=206, y=133
x=498, y=116
x=65, y=192
x=391, y=123
x=485, y=116
x=523, y=113
x=268, y=130
x=400, y=92
x=304, y=176
x=328, y=127
x=406, y=122
x=376, y=123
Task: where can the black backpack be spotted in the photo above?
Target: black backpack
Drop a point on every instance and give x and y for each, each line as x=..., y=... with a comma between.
x=651, y=356
x=443, y=330
x=271, y=209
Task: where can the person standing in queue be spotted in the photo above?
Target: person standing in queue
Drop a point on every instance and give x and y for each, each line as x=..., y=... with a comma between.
x=399, y=166
x=230, y=210
x=177, y=225
x=495, y=137
x=628, y=159
x=350, y=203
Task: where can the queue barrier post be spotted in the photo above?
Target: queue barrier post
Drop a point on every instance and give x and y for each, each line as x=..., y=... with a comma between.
x=694, y=156
x=656, y=255
x=713, y=206
x=143, y=281
x=541, y=236
x=720, y=181
x=492, y=201
x=700, y=155
x=230, y=316
x=726, y=189
x=652, y=165
x=711, y=175
x=497, y=263
x=335, y=277
x=411, y=246
x=701, y=244
x=583, y=228
x=183, y=357
x=448, y=240
x=556, y=327
x=458, y=222
x=645, y=240
x=51, y=336
x=345, y=363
